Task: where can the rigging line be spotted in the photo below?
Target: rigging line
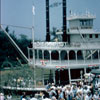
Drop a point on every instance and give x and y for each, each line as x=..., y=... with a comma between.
x=18, y=26
x=82, y=37
x=15, y=45
x=86, y=46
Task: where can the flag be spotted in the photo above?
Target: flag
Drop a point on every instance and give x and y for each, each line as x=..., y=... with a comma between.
x=33, y=10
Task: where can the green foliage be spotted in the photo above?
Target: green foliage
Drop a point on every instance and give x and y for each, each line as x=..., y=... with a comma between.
x=7, y=50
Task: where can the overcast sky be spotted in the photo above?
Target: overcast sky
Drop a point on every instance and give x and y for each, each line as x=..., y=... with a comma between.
x=19, y=12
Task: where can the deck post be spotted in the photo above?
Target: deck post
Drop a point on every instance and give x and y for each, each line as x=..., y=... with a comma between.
x=69, y=75
x=99, y=55
x=54, y=76
x=43, y=76
x=37, y=55
x=42, y=54
x=84, y=70
x=91, y=57
x=50, y=56
x=68, y=56
x=59, y=57
x=84, y=56
x=76, y=56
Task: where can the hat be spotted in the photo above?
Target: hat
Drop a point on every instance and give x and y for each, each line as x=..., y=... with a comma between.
x=53, y=87
x=1, y=94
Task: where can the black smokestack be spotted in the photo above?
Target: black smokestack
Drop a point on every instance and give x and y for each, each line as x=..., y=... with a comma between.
x=47, y=22
x=64, y=36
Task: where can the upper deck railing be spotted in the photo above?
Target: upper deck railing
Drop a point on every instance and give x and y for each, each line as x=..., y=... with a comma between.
x=62, y=45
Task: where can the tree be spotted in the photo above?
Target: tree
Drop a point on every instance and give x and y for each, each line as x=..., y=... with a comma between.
x=8, y=50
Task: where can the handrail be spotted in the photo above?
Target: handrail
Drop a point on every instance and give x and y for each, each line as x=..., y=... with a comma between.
x=91, y=54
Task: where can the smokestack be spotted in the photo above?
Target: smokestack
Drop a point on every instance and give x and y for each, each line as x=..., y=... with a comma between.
x=64, y=36
x=47, y=22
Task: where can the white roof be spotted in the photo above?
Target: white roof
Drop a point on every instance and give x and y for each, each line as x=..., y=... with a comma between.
x=82, y=31
x=86, y=16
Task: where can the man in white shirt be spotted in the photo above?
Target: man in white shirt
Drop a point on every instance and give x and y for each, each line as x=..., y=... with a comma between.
x=96, y=96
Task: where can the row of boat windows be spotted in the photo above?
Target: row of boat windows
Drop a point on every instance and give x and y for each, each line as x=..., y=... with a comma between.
x=90, y=35
x=86, y=22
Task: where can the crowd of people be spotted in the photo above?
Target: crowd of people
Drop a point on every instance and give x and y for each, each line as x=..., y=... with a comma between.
x=81, y=90
x=78, y=91
x=7, y=97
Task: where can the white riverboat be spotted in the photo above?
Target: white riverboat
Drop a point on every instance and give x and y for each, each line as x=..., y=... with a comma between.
x=76, y=54
x=72, y=52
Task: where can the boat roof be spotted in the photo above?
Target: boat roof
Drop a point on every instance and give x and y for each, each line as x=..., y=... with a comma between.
x=81, y=17
x=78, y=31
x=83, y=31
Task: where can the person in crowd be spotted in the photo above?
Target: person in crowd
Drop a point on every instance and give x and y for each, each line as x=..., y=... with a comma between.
x=78, y=96
x=85, y=90
x=23, y=97
x=60, y=95
x=48, y=86
x=2, y=97
x=32, y=98
x=91, y=89
x=81, y=95
x=96, y=96
x=74, y=90
x=52, y=92
x=69, y=93
x=80, y=89
x=86, y=96
x=9, y=97
x=53, y=98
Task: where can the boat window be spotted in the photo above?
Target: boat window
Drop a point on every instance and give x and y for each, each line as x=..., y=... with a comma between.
x=90, y=35
x=84, y=35
x=96, y=35
x=87, y=23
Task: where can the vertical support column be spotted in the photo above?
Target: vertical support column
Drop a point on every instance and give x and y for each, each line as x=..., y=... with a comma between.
x=54, y=76
x=84, y=70
x=34, y=71
x=59, y=57
x=43, y=76
x=43, y=54
x=91, y=57
x=50, y=56
x=69, y=75
x=68, y=56
x=99, y=55
x=76, y=56
x=81, y=73
x=37, y=55
x=84, y=55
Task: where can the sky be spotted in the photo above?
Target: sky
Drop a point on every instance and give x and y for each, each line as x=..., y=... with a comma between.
x=19, y=13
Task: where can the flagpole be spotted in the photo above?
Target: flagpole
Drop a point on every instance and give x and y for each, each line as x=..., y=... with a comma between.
x=33, y=13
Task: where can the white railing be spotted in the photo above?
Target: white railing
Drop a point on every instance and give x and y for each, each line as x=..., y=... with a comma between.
x=66, y=64
x=50, y=45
